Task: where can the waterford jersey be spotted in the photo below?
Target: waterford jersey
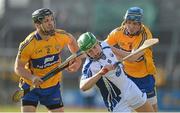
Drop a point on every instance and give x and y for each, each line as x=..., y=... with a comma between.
x=144, y=65
x=113, y=83
x=43, y=55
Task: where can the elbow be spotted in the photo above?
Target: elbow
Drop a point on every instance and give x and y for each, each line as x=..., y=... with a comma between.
x=16, y=69
x=83, y=88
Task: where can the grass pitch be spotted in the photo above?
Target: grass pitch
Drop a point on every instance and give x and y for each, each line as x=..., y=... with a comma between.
x=43, y=109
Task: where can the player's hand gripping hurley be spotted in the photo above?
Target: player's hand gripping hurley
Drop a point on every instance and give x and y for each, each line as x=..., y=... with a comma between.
x=147, y=43
x=20, y=93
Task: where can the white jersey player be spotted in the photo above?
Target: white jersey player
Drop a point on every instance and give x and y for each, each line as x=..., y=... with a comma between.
x=119, y=93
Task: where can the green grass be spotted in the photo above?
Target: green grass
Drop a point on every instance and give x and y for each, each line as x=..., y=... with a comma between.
x=43, y=109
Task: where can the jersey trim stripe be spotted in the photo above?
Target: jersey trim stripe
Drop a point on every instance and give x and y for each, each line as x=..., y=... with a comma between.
x=144, y=37
x=87, y=71
x=23, y=45
x=106, y=47
x=37, y=36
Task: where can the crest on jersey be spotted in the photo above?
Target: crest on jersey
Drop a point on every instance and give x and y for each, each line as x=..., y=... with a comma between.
x=112, y=55
x=109, y=61
x=103, y=56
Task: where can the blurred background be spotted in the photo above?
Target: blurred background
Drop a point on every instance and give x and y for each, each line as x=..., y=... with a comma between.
x=98, y=17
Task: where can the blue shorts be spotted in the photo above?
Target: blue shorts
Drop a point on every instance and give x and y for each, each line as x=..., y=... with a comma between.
x=145, y=84
x=50, y=97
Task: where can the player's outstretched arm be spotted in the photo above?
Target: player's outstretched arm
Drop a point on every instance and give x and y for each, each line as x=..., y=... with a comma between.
x=88, y=83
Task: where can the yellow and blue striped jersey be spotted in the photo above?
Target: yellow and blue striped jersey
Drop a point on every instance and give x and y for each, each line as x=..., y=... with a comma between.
x=43, y=55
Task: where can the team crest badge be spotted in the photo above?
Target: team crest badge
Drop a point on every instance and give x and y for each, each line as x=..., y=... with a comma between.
x=111, y=55
x=103, y=56
x=109, y=61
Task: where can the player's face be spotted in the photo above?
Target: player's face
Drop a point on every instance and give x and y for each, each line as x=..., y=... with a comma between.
x=95, y=51
x=48, y=25
x=132, y=26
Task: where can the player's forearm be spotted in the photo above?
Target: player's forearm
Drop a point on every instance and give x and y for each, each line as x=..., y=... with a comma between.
x=73, y=46
x=90, y=82
x=23, y=73
x=120, y=54
x=136, y=57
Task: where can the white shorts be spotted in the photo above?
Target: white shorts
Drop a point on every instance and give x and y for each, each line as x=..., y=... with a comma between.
x=135, y=97
x=131, y=99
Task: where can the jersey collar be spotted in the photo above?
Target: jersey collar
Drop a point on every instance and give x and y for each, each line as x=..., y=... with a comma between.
x=37, y=36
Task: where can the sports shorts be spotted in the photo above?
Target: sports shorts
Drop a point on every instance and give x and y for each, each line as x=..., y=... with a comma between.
x=50, y=97
x=131, y=99
x=146, y=84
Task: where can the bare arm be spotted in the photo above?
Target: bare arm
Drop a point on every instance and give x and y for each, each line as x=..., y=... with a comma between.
x=73, y=47
x=136, y=56
x=20, y=70
x=120, y=54
x=90, y=82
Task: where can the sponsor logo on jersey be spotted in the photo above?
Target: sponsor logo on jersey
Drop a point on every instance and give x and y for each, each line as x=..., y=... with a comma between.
x=45, y=62
x=50, y=59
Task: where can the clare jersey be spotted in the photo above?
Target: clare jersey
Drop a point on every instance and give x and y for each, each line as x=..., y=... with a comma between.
x=145, y=64
x=43, y=55
x=113, y=83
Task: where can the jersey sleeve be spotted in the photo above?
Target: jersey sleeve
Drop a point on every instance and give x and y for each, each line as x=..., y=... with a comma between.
x=25, y=50
x=149, y=34
x=64, y=38
x=86, y=73
x=89, y=69
x=67, y=39
x=111, y=39
x=86, y=70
